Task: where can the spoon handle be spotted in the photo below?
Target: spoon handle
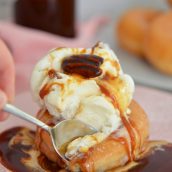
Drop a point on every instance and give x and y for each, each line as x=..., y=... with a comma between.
x=21, y=114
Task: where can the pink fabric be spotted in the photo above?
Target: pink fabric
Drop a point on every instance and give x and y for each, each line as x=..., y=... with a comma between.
x=158, y=106
x=28, y=45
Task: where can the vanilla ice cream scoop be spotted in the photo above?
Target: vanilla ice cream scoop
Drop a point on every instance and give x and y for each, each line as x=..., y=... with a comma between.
x=85, y=84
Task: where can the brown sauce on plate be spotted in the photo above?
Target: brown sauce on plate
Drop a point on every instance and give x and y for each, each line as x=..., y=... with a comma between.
x=12, y=156
x=158, y=161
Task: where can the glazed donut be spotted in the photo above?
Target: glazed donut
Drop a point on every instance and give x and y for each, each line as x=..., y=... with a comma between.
x=132, y=27
x=158, y=43
x=43, y=141
x=112, y=148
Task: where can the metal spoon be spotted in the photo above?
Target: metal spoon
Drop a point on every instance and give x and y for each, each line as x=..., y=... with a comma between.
x=61, y=134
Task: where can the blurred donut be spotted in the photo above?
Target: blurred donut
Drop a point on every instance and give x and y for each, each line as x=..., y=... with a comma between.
x=169, y=2
x=132, y=27
x=158, y=43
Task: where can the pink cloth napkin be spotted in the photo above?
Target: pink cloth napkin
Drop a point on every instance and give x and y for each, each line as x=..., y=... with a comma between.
x=158, y=106
x=28, y=45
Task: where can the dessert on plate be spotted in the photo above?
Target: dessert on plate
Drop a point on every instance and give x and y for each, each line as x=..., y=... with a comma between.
x=88, y=85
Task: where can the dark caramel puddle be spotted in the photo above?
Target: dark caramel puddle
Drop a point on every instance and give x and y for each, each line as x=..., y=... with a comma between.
x=11, y=157
x=15, y=156
x=159, y=160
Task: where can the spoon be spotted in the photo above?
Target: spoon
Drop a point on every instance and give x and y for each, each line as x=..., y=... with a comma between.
x=61, y=134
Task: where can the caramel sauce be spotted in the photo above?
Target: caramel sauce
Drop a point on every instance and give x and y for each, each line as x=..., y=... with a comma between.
x=113, y=99
x=116, y=65
x=159, y=160
x=131, y=133
x=12, y=156
x=133, y=125
x=93, y=49
x=155, y=160
x=107, y=77
x=47, y=164
x=46, y=89
x=126, y=122
x=85, y=161
x=53, y=74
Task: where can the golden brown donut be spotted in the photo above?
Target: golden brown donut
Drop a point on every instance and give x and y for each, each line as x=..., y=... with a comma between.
x=109, y=153
x=158, y=43
x=169, y=2
x=132, y=28
x=43, y=141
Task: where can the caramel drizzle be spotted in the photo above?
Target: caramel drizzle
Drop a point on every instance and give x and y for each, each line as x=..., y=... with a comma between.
x=127, y=123
x=52, y=74
x=47, y=87
x=85, y=161
x=108, y=94
x=131, y=133
x=85, y=166
x=138, y=133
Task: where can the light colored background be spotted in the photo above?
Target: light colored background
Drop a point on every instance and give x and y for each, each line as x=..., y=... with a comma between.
x=140, y=70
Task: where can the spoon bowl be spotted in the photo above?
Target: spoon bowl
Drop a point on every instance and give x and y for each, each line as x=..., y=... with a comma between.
x=66, y=131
